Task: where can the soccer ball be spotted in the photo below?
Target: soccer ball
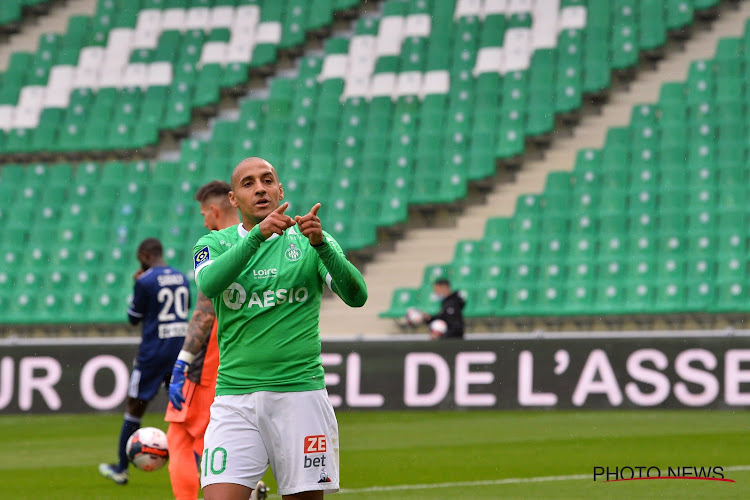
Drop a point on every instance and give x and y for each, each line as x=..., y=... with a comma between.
x=438, y=327
x=147, y=448
x=414, y=316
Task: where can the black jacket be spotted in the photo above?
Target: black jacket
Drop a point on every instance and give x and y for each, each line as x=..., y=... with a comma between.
x=451, y=312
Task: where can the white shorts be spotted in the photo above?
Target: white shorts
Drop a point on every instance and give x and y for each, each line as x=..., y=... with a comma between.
x=295, y=432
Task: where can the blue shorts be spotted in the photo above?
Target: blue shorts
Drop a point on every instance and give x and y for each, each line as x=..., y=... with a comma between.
x=145, y=380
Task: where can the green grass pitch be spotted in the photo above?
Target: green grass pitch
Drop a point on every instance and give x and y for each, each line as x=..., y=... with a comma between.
x=423, y=455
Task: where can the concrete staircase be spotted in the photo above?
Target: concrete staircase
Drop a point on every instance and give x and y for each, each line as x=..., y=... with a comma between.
x=404, y=267
x=55, y=21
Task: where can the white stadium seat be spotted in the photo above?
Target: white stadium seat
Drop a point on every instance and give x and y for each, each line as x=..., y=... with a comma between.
x=334, y=66
x=118, y=47
x=358, y=86
x=26, y=117
x=361, y=65
x=6, y=117
x=523, y=6
x=362, y=56
x=173, y=19
x=61, y=77
x=240, y=51
x=268, y=33
x=214, y=52
x=148, y=19
x=492, y=7
x=111, y=76
x=418, y=25
x=221, y=17
x=408, y=83
x=489, y=60
x=91, y=58
x=466, y=8
x=362, y=44
x=197, y=18
x=572, y=18
x=147, y=29
x=86, y=78
x=544, y=28
x=435, y=82
x=146, y=38
x=31, y=96
x=246, y=16
x=242, y=36
x=390, y=36
x=135, y=75
x=517, y=48
x=57, y=97
x=383, y=84
x=120, y=39
x=159, y=74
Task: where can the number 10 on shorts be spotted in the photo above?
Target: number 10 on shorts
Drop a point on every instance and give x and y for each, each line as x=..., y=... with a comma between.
x=214, y=461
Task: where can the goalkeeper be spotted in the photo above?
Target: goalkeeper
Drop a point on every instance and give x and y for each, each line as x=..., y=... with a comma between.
x=265, y=277
x=193, y=384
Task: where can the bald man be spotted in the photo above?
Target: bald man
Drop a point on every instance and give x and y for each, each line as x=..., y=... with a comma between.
x=265, y=277
x=193, y=384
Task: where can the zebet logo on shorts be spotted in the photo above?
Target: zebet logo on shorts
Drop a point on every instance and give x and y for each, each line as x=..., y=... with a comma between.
x=314, y=445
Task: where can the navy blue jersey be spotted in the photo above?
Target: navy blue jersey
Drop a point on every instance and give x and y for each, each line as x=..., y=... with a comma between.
x=161, y=299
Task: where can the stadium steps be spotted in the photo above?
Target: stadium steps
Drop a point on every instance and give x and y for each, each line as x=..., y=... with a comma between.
x=16, y=14
x=56, y=21
x=405, y=266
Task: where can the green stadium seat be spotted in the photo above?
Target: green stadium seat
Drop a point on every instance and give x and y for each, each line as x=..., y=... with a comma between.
x=403, y=299
x=652, y=24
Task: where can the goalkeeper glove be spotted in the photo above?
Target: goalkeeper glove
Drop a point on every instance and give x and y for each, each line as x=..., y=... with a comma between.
x=178, y=381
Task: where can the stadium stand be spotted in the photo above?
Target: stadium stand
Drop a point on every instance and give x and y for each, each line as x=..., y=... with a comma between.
x=418, y=103
x=108, y=207
x=399, y=97
x=654, y=223
x=149, y=63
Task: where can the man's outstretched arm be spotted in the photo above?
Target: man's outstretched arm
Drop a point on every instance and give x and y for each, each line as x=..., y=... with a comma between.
x=346, y=280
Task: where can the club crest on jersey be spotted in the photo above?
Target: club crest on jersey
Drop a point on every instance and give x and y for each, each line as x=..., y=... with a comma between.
x=293, y=253
x=200, y=257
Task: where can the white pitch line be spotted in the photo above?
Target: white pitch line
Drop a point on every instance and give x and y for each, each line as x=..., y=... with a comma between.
x=490, y=482
x=494, y=482
x=456, y=484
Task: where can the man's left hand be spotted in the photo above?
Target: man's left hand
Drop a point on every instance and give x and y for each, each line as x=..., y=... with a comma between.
x=309, y=225
x=176, y=384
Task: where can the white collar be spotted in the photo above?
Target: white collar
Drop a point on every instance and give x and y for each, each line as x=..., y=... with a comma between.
x=243, y=232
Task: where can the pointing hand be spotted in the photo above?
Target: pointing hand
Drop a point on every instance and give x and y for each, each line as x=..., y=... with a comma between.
x=276, y=222
x=309, y=225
